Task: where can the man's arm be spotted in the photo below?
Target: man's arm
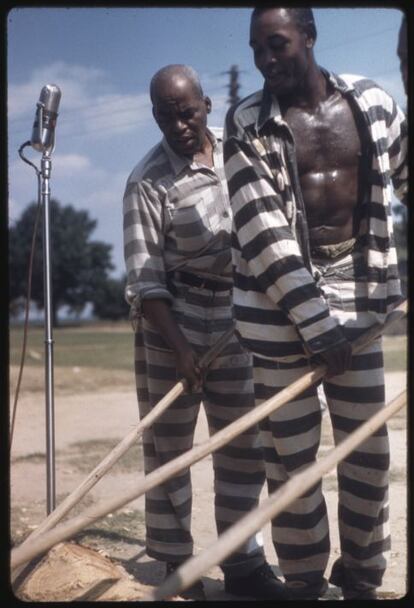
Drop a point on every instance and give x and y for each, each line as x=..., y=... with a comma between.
x=158, y=313
x=268, y=244
x=146, y=288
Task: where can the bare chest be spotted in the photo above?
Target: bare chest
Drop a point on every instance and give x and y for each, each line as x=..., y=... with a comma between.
x=326, y=139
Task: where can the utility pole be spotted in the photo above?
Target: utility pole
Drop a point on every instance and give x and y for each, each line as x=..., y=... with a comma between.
x=233, y=85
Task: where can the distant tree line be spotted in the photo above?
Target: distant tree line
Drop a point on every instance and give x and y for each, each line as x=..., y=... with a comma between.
x=80, y=266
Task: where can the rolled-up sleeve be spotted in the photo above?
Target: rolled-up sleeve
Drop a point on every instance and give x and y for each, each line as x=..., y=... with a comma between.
x=143, y=230
x=266, y=241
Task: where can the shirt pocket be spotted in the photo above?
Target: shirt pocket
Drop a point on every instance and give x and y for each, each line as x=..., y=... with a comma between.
x=194, y=223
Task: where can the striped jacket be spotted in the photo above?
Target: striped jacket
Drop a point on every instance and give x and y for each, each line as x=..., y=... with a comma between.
x=279, y=310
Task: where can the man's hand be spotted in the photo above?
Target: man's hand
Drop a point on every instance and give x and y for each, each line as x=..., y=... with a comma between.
x=158, y=313
x=188, y=367
x=337, y=359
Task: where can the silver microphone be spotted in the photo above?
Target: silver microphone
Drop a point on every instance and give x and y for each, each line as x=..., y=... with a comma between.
x=43, y=133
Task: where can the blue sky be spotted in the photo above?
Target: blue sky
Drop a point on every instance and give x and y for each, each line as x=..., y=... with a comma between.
x=103, y=60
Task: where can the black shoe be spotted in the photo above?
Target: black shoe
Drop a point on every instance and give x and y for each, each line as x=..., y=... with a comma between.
x=349, y=580
x=306, y=591
x=261, y=584
x=359, y=594
x=194, y=592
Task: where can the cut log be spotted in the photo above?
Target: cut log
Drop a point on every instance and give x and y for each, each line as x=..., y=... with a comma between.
x=72, y=572
x=32, y=548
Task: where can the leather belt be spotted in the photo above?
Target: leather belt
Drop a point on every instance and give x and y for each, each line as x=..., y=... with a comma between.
x=195, y=281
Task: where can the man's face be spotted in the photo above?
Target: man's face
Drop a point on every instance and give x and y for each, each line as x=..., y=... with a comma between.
x=402, y=52
x=281, y=50
x=181, y=114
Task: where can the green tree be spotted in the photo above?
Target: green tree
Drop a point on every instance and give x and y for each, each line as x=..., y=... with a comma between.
x=109, y=301
x=79, y=266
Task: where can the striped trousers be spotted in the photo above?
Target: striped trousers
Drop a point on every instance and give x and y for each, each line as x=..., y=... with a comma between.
x=227, y=394
x=291, y=437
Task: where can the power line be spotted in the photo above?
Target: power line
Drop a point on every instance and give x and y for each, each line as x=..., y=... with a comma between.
x=107, y=104
x=86, y=132
x=233, y=89
x=82, y=108
x=354, y=39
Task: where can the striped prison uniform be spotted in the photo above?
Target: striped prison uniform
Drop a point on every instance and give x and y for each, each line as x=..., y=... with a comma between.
x=177, y=220
x=288, y=305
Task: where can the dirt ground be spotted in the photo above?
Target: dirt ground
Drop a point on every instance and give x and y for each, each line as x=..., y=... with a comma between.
x=90, y=424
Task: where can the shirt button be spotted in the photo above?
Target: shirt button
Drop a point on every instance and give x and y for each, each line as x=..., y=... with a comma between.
x=280, y=181
x=225, y=214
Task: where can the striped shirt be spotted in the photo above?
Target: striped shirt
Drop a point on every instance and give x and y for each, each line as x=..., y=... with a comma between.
x=278, y=307
x=176, y=217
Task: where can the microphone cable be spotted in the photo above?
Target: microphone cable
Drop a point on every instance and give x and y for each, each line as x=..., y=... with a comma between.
x=29, y=288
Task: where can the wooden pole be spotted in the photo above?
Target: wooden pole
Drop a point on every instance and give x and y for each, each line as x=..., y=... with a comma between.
x=108, y=462
x=30, y=549
x=269, y=508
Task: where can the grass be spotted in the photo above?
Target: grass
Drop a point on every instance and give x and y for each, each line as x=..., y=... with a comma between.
x=34, y=458
x=101, y=347
x=86, y=455
x=122, y=526
x=111, y=347
x=101, y=357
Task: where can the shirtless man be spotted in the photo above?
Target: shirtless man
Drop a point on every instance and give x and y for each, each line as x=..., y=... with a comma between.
x=402, y=52
x=309, y=162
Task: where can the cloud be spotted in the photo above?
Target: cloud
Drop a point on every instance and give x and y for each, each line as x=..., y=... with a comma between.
x=78, y=181
x=96, y=143
x=89, y=107
x=73, y=79
x=71, y=162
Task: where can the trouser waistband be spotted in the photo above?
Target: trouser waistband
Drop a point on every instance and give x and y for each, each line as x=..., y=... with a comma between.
x=195, y=281
x=334, y=250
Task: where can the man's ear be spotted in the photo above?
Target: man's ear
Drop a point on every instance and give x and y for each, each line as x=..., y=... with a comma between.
x=309, y=42
x=208, y=103
x=310, y=33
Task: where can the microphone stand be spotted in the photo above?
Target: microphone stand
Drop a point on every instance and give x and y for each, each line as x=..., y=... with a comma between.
x=43, y=140
x=46, y=167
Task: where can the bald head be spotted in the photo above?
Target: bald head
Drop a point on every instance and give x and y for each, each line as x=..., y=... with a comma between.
x=177, y=75
x=180, y=108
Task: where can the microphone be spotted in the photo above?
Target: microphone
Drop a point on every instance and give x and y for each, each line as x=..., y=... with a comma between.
x=43, y=133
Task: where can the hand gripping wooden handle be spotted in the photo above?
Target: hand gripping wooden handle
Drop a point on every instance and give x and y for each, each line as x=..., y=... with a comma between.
x=269, y=508
x=119, y=450
x=32, y=548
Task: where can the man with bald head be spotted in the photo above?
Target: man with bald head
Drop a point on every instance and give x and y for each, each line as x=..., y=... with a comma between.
x=177, y=249
x=311, y=162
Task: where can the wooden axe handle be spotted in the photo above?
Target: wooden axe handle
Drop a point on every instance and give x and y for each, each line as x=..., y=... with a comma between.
x=119, y=450
x=30, y=549
x=269, y=508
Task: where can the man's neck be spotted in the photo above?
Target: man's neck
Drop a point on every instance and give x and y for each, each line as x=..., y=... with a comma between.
x=205, y=154
x=314, y=91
